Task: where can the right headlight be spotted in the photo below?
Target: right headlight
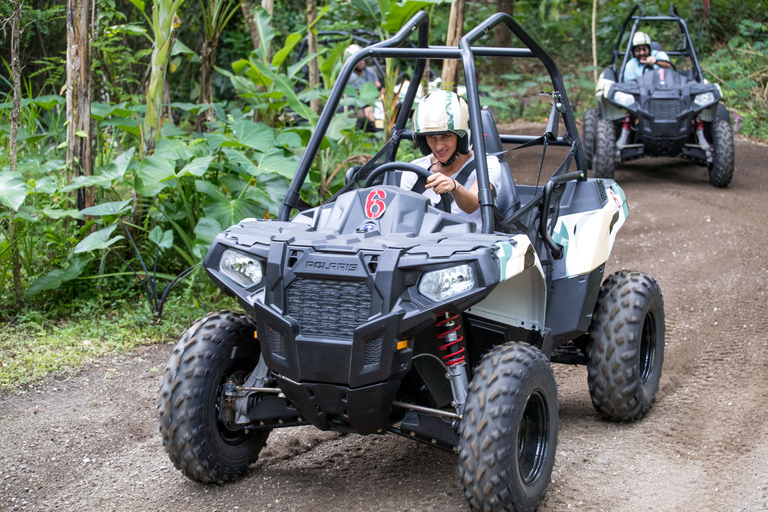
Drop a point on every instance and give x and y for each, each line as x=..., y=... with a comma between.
x=704, y=99
x=623, y=98
x=241, y=267
x=445, y=283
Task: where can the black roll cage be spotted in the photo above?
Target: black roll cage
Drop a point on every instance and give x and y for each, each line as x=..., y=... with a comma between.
x=687, y=50
x=390, y=48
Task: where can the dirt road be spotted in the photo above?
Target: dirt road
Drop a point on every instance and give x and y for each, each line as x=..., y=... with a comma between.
x=91, y=442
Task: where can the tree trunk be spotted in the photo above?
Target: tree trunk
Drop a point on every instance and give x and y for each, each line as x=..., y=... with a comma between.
x=16, y=71
x=502, y=38
x=451, y=67
x=79, y=156
x=207, y=61
x=594, y=39
x=314, y=67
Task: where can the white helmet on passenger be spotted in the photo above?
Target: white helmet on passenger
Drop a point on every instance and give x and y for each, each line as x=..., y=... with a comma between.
x=441, y=112
x=640, y=39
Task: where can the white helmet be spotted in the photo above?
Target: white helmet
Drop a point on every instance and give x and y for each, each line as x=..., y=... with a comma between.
x=640, y=39
x=351, y=50
x=441, y=112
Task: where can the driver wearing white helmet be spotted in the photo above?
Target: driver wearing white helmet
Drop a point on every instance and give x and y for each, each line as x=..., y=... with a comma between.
x=441, y=130
x=644, y=57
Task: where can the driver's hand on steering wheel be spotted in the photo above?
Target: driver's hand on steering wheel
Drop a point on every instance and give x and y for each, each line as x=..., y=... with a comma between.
x=649, y=60
x=441, y=184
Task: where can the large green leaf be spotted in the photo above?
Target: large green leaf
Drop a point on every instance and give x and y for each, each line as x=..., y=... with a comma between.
x=173, y=149
x=286, y=87
x=254, y=135
x=164, y=239
x=207, y=230
x=112, y=208
x=54, y=279
x=370, y=8
x=276, y=161
x=196, y=167
x=399, y=13
x=263, y=22
x=124, y=123
x=13, y=190
x=238, y=158
x=98, y=240
x=283, y=53
x=155, y=174
x=58, y=214
x=224, y=210
x=45, y=185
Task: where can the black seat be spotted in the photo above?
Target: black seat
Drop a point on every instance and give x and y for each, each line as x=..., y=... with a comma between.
x=507, y=200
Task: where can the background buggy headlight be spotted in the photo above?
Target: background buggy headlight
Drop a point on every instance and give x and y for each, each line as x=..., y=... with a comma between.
x=241, y=267
x=623, y=98
x=704, y=98
x=441, y=284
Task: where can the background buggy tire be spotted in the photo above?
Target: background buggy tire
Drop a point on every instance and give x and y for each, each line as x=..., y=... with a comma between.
x=214, y=349
x=588, y=137
x=508, y=434
x=625, y=352
x=721, y=168
x=604, y=159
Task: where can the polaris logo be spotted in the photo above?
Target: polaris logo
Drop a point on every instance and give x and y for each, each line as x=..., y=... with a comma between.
x=330, y=265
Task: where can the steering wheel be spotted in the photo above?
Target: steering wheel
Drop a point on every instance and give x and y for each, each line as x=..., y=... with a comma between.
x=445, y=199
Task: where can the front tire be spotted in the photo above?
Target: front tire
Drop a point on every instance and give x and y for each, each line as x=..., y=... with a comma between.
x=199, y=441
x=625, y=352
x=590, y=132
x=721, y=168
x=604, y=159
x=508, y=434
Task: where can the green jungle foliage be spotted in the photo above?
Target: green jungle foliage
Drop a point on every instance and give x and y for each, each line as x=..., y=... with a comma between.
x=154, y=216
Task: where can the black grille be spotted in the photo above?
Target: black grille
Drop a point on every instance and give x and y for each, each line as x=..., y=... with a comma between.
x=601, y=192
x=373, y=351
x=665, y=109
x=327, y=308
x=276, y=342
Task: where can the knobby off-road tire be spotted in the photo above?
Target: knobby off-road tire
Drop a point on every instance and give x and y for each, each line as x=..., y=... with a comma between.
x=215, y=349
x=721, y=168
x=590, y=133
x=604, y=159
x=508, y=434
x=625, y=352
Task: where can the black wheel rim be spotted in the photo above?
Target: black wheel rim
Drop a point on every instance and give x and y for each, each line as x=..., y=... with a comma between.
x=532, y=438
x=647, y=347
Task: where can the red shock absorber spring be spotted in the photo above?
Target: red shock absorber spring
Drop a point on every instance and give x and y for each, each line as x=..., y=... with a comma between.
x=699, y=124
x=626, y=124
x=451, y=339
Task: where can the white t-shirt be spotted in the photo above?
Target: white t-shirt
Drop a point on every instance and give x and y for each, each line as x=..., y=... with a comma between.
x=408, y=180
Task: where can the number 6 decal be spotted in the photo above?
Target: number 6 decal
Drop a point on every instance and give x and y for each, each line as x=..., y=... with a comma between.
x=374, y=206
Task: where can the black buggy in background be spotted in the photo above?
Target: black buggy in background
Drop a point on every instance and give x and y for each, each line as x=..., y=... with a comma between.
x=378, y=312
x=666, y=112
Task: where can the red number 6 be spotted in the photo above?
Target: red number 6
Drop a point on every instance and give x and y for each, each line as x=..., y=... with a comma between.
x=374, y=206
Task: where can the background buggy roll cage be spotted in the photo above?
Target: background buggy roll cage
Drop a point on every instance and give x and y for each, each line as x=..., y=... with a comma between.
x=390, y=48
x=674, y=17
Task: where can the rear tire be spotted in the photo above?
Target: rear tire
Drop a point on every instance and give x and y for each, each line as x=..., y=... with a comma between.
x=508, y=434
x=590, y=130
x=215, y=349
x=604, y=159
x=721, y=168
x=625, y=352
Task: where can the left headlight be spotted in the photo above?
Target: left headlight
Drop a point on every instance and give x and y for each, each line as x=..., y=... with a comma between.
x=241, y=267
x=442, y=284
x=704, y=99
x=623, y=98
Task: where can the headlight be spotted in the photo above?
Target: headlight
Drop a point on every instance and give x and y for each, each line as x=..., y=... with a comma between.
x=622, y=98
x=704, y=98
x=241, y=267
x=441, y=284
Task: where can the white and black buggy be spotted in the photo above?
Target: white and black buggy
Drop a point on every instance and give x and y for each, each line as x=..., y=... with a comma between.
x=379, y=313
